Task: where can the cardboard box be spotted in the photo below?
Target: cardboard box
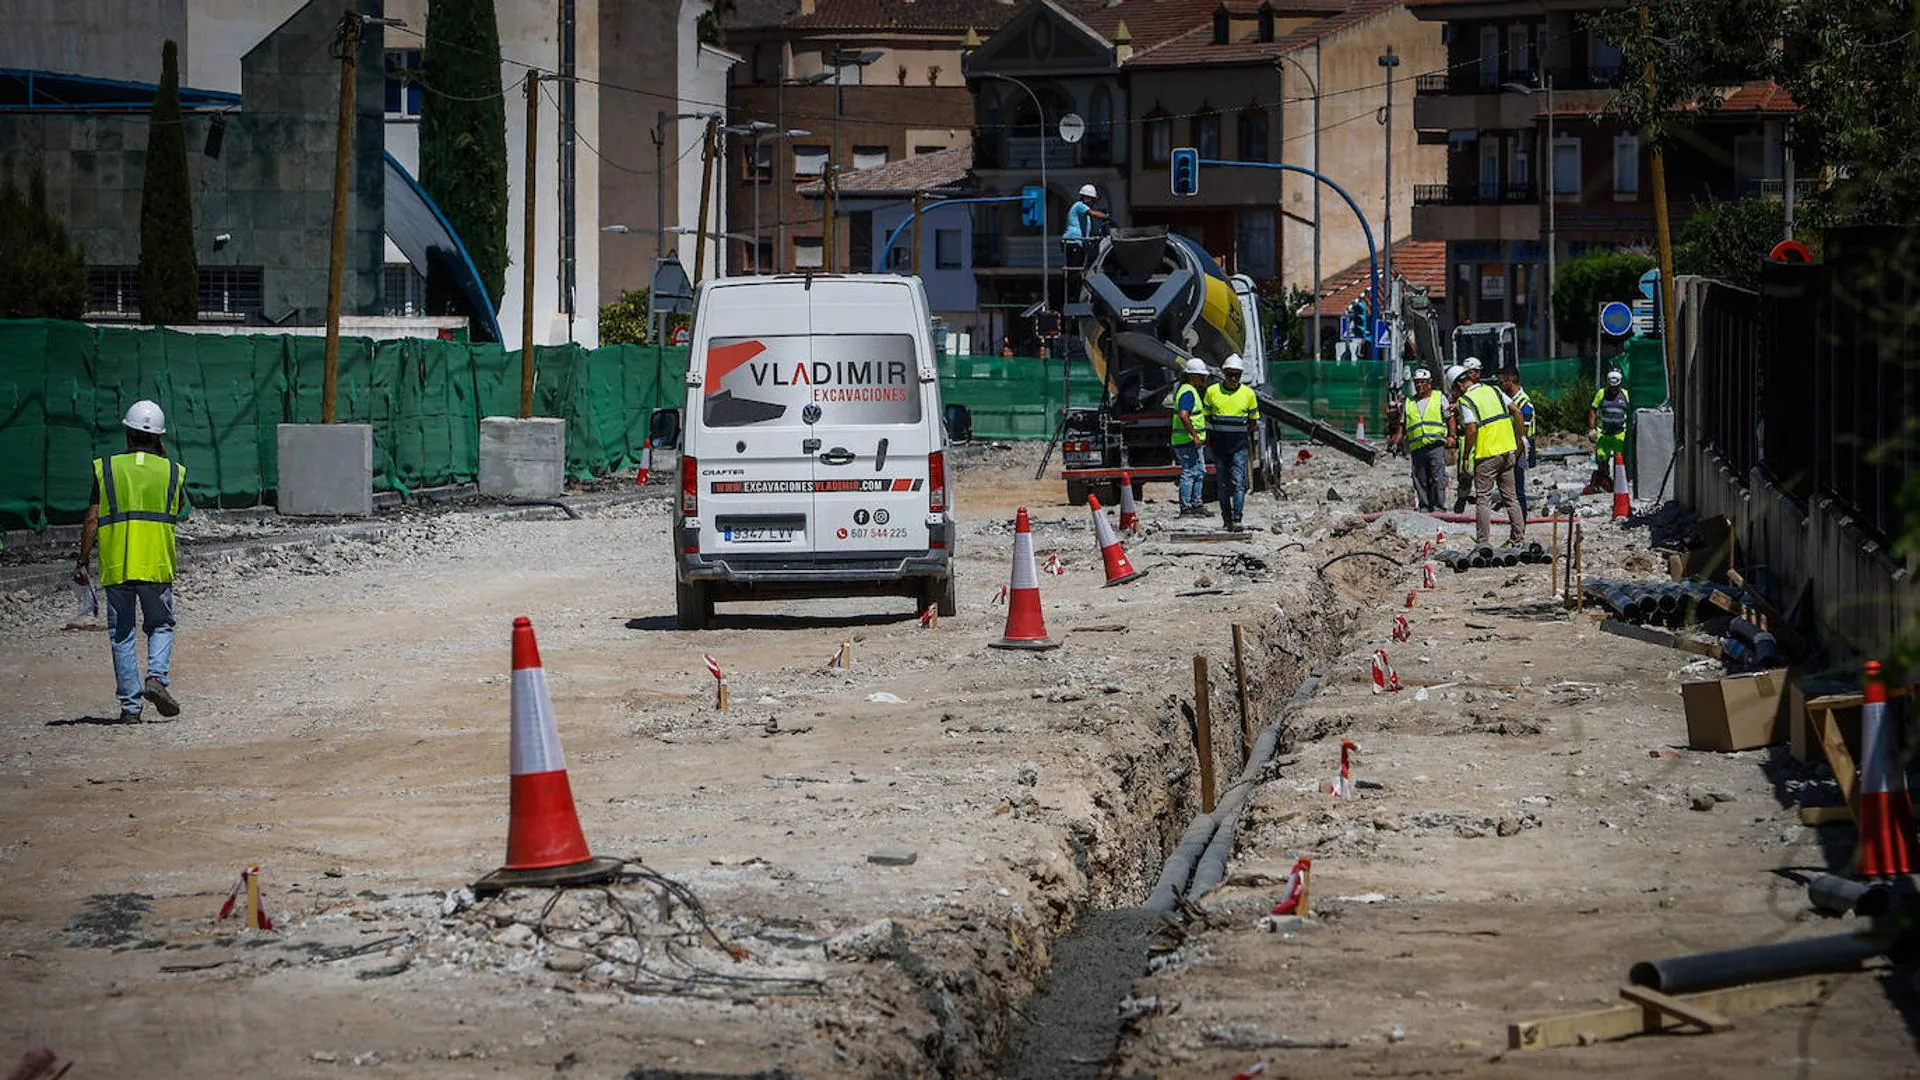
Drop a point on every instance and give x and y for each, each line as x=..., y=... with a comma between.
x=1739, y=712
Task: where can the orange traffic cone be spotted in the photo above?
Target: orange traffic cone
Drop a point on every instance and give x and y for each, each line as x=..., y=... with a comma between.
x=1119, y=570
x=645, y=473
x=1886, y=809
x=544, y=842
x=1622, y=495
x=1026, y=629
x=1129, y=513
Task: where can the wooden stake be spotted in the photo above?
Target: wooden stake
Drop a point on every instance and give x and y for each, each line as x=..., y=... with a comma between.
x=720, y=696
x=1240, y=688
x=528, y=241
x=254, y=920
x=1203, y=732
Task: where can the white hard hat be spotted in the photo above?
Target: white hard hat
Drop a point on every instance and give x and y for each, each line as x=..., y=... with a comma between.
x=1233, y=363
x=1472, y=363
x=1613, y=378
x=146, y=416
x=1455, y=373
x=1196, y=366
x=1087, y=191
x=1423, y=373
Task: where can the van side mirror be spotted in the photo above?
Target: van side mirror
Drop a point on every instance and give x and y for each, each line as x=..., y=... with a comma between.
x=663, y=427
x=959, y=421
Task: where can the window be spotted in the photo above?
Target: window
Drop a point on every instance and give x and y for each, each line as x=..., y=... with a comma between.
x=756, y=161
x=1520, y=162
x=946, y=249
x=1603, y=60
x=1566, y=166
x=1206, y=134
x=919, y=150
x=766, y=62
x=809, y=253
x=113, y=290
x=1159, y=138
x=1489, y=57
x=1253, y=243
x=1099, y=149
x=1253, y=135
x=1626, y=166
x=1221, y=27
x=231, y=290
x=1266, y=24
x=404, y=291
x=867, y=157
x=1749, y=163
x=1519, y=51
x=870, y=380
x=809, y=160
x=404, y=85
x=1489, y=167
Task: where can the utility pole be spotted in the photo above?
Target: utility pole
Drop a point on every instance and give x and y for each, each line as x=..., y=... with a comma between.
x=827, y=238
x=1553, y=239
x=919, y=199
x=348, y=42
x=1662, y=225
x=659, y=188
x=706, y=192
x=1389, y=61
x=528, y=198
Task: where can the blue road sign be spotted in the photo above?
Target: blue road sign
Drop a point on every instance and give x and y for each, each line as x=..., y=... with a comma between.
x=1382, y=334
x=1616, y=318
x=1650, y=283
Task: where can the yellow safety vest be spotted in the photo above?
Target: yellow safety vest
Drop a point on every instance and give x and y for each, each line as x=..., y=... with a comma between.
x=1495, y=434
x=1187, y=397
x=142, y=496
x=1424, y=430
x=1231, y=412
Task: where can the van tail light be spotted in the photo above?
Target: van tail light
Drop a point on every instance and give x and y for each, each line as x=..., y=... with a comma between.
x=937, y=482
x=689, y=487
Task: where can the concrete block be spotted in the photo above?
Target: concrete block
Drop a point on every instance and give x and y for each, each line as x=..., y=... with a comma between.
x=326, y=470
x=523, y=459
x=1653, y=454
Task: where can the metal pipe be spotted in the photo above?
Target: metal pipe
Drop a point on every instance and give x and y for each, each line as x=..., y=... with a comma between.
x=1836, y=895
x=1781, y=960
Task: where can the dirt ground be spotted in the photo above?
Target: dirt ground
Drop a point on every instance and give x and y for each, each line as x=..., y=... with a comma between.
x=866, y=871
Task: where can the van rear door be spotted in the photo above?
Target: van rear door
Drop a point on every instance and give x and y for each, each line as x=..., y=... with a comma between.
x=871, y=370
x=754, y=443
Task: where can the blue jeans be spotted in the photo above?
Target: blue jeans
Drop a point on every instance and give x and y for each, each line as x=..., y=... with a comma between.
x=1193, y=474
x=155, y=601
x=1230, y=472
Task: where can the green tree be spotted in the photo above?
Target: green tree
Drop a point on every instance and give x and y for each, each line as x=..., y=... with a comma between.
x=169, y=272
x=1280, y=318
x=624, y=322
x=463, y=143
x=43, y=274
x=1728, y=240
x=711, y=28
x=1586, y=281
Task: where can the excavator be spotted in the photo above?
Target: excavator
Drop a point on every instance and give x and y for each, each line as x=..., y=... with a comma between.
x=1147, y=301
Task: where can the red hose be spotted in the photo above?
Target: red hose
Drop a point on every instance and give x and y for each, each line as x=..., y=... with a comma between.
x=1458, y=519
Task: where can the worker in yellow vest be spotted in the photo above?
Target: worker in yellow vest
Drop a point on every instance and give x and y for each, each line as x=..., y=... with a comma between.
x=145, y=495
x=1423, y=430
x=1190, y=437
x=1233, y=412
x=1493, y=426
x=1458, y=380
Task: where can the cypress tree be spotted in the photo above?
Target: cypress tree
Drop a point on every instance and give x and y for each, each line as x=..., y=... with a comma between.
x=463, y=143
x=169, y=273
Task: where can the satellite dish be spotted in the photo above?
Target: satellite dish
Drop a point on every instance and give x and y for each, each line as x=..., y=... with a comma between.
x=1072, y=128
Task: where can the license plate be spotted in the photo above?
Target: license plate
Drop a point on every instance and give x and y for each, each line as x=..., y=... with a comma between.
x=760, y=534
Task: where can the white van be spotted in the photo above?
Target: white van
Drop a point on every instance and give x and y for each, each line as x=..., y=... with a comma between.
x=814, y=457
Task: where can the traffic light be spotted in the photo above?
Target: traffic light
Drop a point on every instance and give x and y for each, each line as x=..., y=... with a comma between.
x=1186, y=171
x=1030, y=205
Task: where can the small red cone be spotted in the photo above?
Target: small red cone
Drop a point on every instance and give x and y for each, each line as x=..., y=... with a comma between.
x=1411, y=593
x=1119, y=570
x=1295, y=902
x=1426, y=576
x=1622, y=494
x=645, y=472
x=1886, y=808
x=1385, y=680
x=1402, y=630
x=544, y=843
x=1054, y=565
x=1129, y=513
x=1025, y=629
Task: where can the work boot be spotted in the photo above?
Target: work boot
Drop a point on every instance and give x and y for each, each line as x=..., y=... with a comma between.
x=156, y=692
x=129, y=716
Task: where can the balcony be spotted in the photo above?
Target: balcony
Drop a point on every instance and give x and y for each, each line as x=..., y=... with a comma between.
x=1475, y=194
x=1498, y=212
x=1776, y=188
x=997, y=251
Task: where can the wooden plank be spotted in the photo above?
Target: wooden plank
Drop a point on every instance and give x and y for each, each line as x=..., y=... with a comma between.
x=1853, y=701
x=1839, y=759
x=1661, y=637
x=1825, y=815
x=1620, y=1021
x=1684, y=1011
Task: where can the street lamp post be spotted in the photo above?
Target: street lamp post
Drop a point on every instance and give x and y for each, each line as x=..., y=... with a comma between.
x=1040, y=111
x=760, y=130
x=660, y=175
x=1314, y=85
x=840, y=60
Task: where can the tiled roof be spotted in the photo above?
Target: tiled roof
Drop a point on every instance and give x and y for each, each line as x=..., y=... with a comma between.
x=1196, y=45
x=984, y=16
x=1760, y=97
x=1149, y=22
x=943, y=171
x=1423, y=262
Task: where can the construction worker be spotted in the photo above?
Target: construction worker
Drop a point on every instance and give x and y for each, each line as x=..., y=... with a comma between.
x=1458, y=380
x=1190, y=437
x=1080, y=218
x=1423, y=430
x=1233, y=414
x=1607, y=427
x=145, y=495
x=1510, y=385
x=1492, y=426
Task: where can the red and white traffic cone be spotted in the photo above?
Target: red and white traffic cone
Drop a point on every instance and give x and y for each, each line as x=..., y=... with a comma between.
x=1025, y=629
x=1295, y=902
x=1385, y=680
x=1426, y=549
x=1886, y=808
x=544, y=843
x=1054, y=565
x=1119, y=570
x=1342, y=786
x=1426, y=576
x=1402, y=629
x=1129, y=513
x=1622, y=494
x=644, y=474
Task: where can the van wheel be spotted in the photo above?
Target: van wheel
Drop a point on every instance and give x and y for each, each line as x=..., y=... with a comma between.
x=939, y=592
x=692, y=605
x=1077, y=492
